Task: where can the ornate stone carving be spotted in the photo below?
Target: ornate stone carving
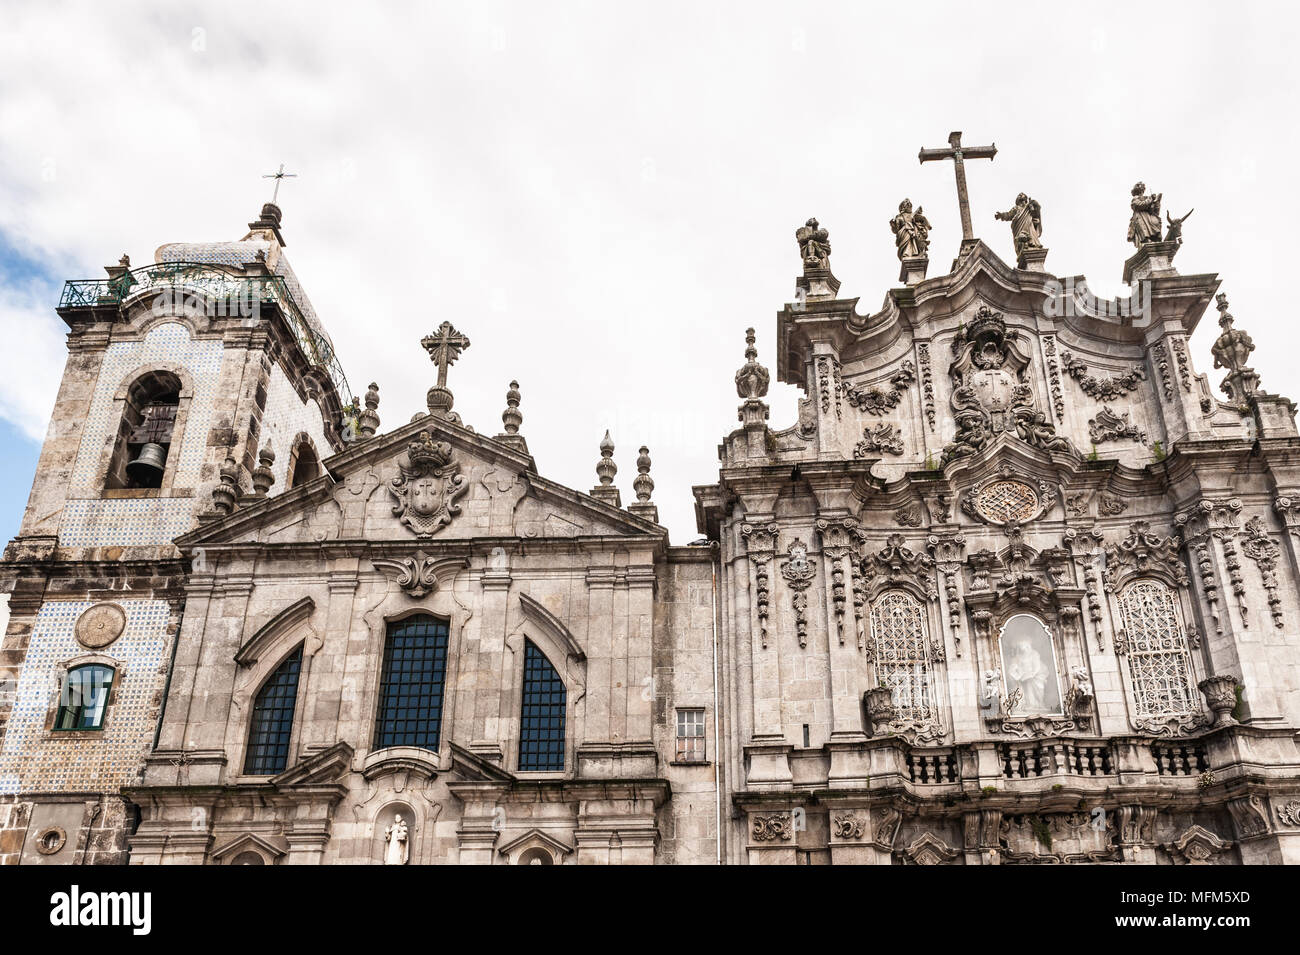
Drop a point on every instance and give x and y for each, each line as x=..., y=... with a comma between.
x=1289, y=812
x=100, y=625
x=814, y=245
x=1221, y=697
x=1231, y=350
x=896, y=563
x=911, y=231
x=1054, y=377
x=1249, y=816
x=1179, y=347
x=1103, y=389
x=1196, y=846
x=396, y=836
x=929, y=849
x=885, y=823
x=752, y=378
x=1161, y=357
x=1144, y=225
x=1111, y=505
x=1202, y=523
x=883, y=437
x=1109, y=426
x=1143, y=553
x=1005, y=498
x=772, y=827
x=839, y=547
x=1261, y=548
x=927, y=381
x=1085, y=546
x=417, y=574
x=909, y=515
x=947, y=553
x=873, y=401
x=798, y=572
x=1026, y=218
x=428, y=486
x=905, y=375
x=830, y=385
x=848, y=825
x=760, y=544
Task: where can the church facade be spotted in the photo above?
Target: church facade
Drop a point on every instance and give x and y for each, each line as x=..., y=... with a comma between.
x=1017, y=587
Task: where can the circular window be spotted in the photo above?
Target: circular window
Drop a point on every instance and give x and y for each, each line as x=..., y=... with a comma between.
x=51, y=841
x=100, y=625
x=1003, y=501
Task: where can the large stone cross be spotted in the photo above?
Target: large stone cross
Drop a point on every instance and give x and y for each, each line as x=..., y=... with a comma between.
x=957, y=153
x=444, y=347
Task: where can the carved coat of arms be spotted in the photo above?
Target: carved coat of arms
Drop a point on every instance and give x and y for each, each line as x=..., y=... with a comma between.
x=429, y=484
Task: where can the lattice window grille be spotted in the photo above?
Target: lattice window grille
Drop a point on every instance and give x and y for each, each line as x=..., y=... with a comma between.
x=1004, y=501
x=902, y=654
x=1159, y=664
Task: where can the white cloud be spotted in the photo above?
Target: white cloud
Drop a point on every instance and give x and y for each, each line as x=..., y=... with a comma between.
x=603, y=197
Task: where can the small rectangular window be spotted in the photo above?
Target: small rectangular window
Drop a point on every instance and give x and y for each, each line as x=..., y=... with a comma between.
x=690, y=736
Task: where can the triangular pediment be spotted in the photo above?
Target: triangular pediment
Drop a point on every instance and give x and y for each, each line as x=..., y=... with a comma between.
x=428, y=481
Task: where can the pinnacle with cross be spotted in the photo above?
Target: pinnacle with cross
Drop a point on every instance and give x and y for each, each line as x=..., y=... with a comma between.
x=958, y=154
x=279, y=176
x=444, y=347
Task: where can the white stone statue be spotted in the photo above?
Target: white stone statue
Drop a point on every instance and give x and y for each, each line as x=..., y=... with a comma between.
x=396, y=837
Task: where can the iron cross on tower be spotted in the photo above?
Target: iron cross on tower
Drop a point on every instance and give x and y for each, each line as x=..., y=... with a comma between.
x=279, y=176
x=958, y=153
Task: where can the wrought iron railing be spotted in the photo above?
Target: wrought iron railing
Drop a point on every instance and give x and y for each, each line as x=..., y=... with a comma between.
x=206, y=286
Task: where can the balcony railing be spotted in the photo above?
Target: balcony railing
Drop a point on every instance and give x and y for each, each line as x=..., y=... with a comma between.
x=216, y=291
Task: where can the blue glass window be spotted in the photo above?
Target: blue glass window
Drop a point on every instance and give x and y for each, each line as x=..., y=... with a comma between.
x=85, y=698
x=272, y=723
x=411, y=689
x=541, y=724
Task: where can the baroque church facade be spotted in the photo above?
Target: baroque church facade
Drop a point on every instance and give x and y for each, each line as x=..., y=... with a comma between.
x=1017, y=587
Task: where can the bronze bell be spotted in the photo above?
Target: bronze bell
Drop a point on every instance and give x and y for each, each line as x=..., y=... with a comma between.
x=147, y=469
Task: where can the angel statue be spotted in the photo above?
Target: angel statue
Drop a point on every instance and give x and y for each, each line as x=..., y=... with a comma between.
x=1026, y=218
x=911, y=231
x=814, y=244
x=1144, y=226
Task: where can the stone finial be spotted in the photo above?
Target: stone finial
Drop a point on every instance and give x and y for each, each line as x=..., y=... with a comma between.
x=512, y=417
x=226, y=493
x=752, y=379
x=368, y=420
x=644, y=486
x=605, y=471
x=263, y=476
x=1231, y=350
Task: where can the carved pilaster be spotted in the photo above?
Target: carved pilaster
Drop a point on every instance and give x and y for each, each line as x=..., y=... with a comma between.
x=798, y=572
x=948, y=553
x=760, y=545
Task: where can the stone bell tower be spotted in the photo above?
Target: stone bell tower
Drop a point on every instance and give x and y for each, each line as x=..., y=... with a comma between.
x=212, y=351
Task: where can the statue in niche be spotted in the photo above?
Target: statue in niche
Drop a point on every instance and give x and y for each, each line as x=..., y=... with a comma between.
x=1029, y=662
x=911, y=231
x=1144, y=225
x=1026, y=218
x=397, y=842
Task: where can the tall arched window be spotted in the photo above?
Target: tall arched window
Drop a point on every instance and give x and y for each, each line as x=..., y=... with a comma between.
x=83, y=701
x=903, y=653
x=272, y=722
x=411, y=688
x=541, y=720
x=1160, y=668
x=144, y=435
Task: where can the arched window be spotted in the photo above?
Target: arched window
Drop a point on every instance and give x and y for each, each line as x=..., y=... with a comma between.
x=304, y=463
x=1159, y=666
x=903, y=654
x=144, y=435
x=83, y=701
x=272, y=723
x=541, y=720
x=411, y=687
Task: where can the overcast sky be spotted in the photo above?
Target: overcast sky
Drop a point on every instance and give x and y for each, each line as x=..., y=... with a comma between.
x=603, y=196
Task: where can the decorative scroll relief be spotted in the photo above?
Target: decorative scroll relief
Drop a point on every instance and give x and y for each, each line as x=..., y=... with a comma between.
x=760, y=544
x=428, y=486
x=798, y=572
x=772, y=827
x=1103, y=389
x=1259, y=547
x=1109, y=426
x=1054, y=377
x=841, y=541
x=927, y=381
x=884, y=438
x=1165, y=701
x=1143, y=553
x=830, y=384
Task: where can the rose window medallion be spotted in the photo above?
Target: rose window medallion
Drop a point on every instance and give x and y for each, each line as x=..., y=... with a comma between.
x=1003, y=501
